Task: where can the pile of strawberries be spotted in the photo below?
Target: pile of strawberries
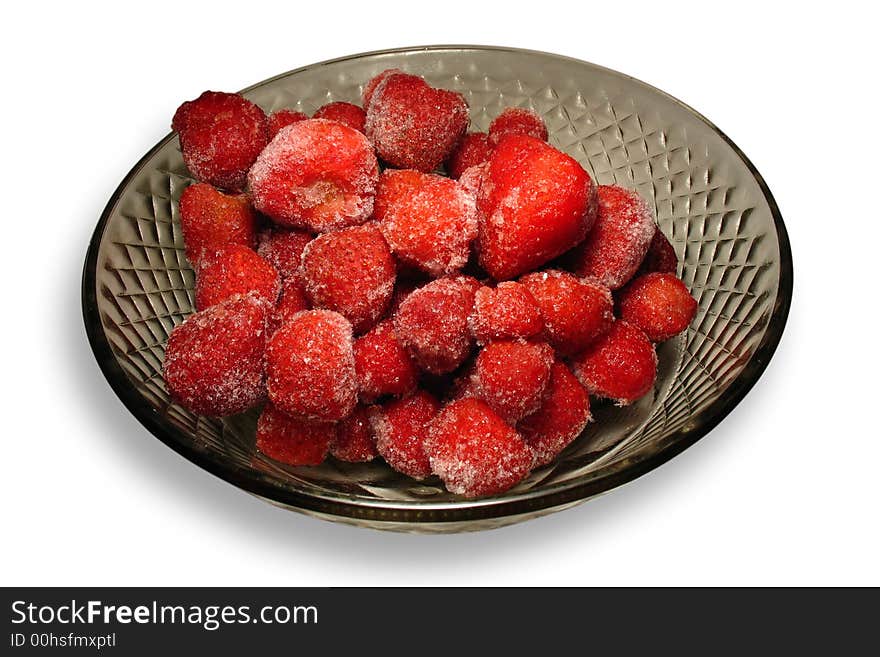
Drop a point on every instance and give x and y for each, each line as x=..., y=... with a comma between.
x=454, y=325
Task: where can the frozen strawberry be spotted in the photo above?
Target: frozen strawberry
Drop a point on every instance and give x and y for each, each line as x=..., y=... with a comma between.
x=616, y=246
x=400, y=427
x=535, y=203
x=220, y=135
x=506, y=311
x=355, y=441
x=511, y=376
x=432, y=323
x=382, y=365
x=210, y=219
x=214, y=359
x=283, y=248
x=576, y=311
x=352, y=272
x=474, y=451
x=517, y=121
x=370, y=87
x=660, y=257
x=561, y=418
x=472, y=178
x=659, y=304
x=413, y=125
x=310, y=367
x=621, y=365
x=235, y=269
x=294, y=442
x=345, y=113
x=473, y=149
x=429, y=221
x=283, y=118
x=291, y=301
x=315, y=174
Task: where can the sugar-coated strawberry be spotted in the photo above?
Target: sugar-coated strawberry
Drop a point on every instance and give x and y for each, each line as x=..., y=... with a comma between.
x=291, y=301
x=214, y=359
x=294, y=442
x=310, y=367
x=283, y=248
x=576, y=311
x=473, y=149
x=413, y=125
x=619, y=240
x=400, y=427
x=506, y=311
x=370, y=87
x=563, y=414
x=210, y=219
x=474, y=451
x=621, y=365
x=661, y=256
x=315, y=174
x=511, y=376
x=345, y=113
x=283, y=118
x=659, y=304
x=517, y=121
x=535, y=203
x=235, y=269
x=429, y=221
x=221, y=135
x=355, y=441
x=432, y=323
x=352, y=272
x=382, y=365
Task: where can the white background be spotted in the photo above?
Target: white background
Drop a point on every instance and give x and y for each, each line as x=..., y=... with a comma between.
x=784, y=491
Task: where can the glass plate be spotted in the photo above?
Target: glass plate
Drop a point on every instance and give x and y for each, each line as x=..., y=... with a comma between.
x=710, y=201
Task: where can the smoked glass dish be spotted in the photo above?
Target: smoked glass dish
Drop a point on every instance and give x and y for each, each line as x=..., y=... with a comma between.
x=709, y=200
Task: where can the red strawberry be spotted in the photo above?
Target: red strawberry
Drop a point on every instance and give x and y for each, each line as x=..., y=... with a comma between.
x=294, y=442
x=474, y=451
x=473, y=149
x=621, y=365
x=562, y=416
x=401, y=427
x=210, y=219
x=535, y=203
x=413, y=125
x=659, y=304
x=283, y=248
x=355, y=441
x=616, y=246
x=220, y=135
x=432, y=323
x=235, y=269
x=511, y=376
x=429, y=221
x=345, y=113
x=505, y=311
x=382, y=365
x=214, y=359
x=315, y=174
x=283, y=118
x=352, y=272
x=374, y=82
x=517, y=121
x=310, y=367
x=576, y=311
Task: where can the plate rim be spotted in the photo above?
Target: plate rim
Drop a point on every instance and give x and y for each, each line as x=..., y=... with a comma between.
x=376, y=512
